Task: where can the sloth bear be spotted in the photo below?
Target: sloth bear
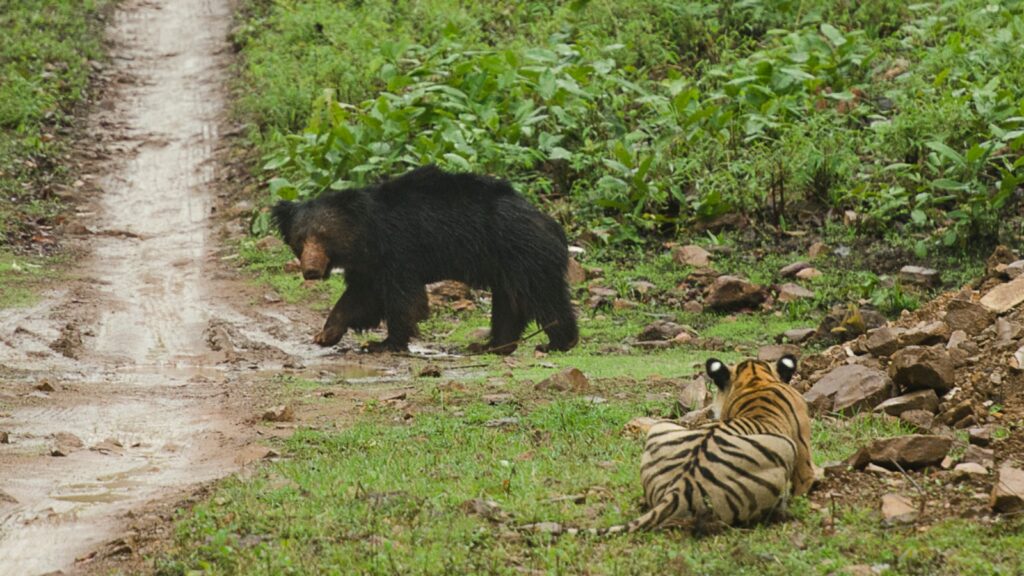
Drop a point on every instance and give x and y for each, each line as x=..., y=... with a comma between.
x=428, y=225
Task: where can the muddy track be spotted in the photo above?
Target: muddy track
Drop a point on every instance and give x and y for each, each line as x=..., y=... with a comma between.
x=150, y=353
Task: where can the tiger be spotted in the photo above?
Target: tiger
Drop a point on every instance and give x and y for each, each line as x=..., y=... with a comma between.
x=737, y=469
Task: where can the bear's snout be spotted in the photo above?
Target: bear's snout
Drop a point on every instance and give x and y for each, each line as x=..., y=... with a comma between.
x=314, y=260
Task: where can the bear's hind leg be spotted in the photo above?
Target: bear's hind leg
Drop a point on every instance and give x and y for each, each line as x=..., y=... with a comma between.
x=404, y=308
x=507, y=323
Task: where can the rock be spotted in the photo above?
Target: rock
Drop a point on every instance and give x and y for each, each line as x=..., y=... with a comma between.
x=268, y=243
x=1008, y=491
x=600, y=296
x=920, y=276
x=44, y=386
x=68, y=440
x=449, y=291
x=642, y=287
x=956, y=413
x=1017, y=360
x=5, y=438
x=808, y=274
x=693, y=307
x=691, y=255
x=1006, y=331
x=884, y=341
x=697, y=417
x=955, y=339
x=897, y=509
x=486, y=509
x=922, y=420
x=639, y=426
x=980, y=436
x=293, y=266
x=564, y=381
x=792, y=292
x=495, y=399
x=920, y=400
x=574, y=273
x=850, y=388
x=1004, y=296
x=818, y=249
x=907, y=452
x=430, y=371
x=968, y=316
x=694, y=395
x=773, y=352
x=729, y=293
x=919, y=367
x=660, y=330
x=279, y=414
x=791, y=270
x=926, y=333
x=502, y=422
x=1015, y=269
x=979, y=455
x=798, y=335
x=6, y=498
x=968, y=469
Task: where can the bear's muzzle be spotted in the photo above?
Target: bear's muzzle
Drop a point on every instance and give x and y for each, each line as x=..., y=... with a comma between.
x=314, y=259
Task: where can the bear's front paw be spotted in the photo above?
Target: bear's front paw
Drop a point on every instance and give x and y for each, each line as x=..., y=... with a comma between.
x=328, y=337
x=387, y=345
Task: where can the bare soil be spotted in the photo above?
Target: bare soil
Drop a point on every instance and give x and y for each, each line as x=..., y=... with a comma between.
x=151, y=352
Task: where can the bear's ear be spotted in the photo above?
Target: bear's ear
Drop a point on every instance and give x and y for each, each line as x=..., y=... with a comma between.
x=718, y=372
x=283, y=215
x=786, y=367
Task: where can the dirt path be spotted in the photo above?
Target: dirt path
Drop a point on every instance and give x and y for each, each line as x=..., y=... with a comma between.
x=120, y=356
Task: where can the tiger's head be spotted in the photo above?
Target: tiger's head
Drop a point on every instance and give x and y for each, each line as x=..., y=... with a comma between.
x=747, y=377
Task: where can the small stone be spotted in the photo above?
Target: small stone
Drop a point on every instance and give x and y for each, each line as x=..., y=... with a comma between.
x=44, y=386
x=729, y=293
x=957, y=338
x=920, y=276
x=697, y=417
x=564, y=381
x=575, y=273
x=1015, y=269
x=279, y=414
x=980, y=436
x=6, y=498
x=1017, y=360
x=919, y=367
x=1008, y=491
x=884, y=341
x=660, y=330
x=642, y=287
x=268, y=243
x=798, y=335
x=907, y=452
x=808, y=274
x=271, y=297
x=818, y=249
x=897, y=509
x=639, y=426
x=494, y=399
x=430, y=371
x=691, y=255
x=850, y=388
x=922, y=420
x=486, y=509
x=876, y=469
x=1004, y=296
x=694, y=395
x=968, y=469
x=5, y=438
x=968, y=316
x=773, y=352
x=502, y=422
x=919, y=400
x=693, y=307
x=67, y=442
x=292, y=266
x=791, y=270
x=792, y=292
x=956, y=413
x=979, y=455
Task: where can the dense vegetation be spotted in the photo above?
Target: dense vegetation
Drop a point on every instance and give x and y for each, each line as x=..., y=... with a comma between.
x=45, y=53
x=632, y=118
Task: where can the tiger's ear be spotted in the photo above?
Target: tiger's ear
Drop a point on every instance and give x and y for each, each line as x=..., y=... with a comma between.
x=786, y=367
x=718, y=372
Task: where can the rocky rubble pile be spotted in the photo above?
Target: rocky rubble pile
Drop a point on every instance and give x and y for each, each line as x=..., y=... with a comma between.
x=953, y=369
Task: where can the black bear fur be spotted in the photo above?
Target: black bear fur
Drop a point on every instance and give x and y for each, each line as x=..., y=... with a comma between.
x=428, y=225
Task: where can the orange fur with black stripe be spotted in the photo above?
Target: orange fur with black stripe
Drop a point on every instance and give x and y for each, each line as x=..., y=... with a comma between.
x=738, y=469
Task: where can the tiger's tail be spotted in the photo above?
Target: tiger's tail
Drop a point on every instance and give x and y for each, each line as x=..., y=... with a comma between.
x=649, y=520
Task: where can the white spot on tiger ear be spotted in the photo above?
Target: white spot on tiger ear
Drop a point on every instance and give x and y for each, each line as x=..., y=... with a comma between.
x=788, y=363
x=716, y=366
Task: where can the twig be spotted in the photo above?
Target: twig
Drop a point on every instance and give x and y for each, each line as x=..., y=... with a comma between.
x=920, y=491
x=521, y=340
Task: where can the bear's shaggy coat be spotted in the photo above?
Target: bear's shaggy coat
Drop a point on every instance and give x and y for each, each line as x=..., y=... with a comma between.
x=425, y=226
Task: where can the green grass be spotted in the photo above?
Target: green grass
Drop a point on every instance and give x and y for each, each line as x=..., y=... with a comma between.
x=383, y=498
x=266, y=267
x=45, y=49
x=21, y=278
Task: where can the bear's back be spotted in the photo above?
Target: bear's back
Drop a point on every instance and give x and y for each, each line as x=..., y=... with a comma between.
x=431, y=183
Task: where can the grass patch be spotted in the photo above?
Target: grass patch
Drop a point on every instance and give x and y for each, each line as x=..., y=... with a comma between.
x=267, y=267
x=382, y=498
x=21, y=279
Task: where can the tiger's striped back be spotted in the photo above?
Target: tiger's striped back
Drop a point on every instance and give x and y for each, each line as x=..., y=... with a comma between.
x=736, y=470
